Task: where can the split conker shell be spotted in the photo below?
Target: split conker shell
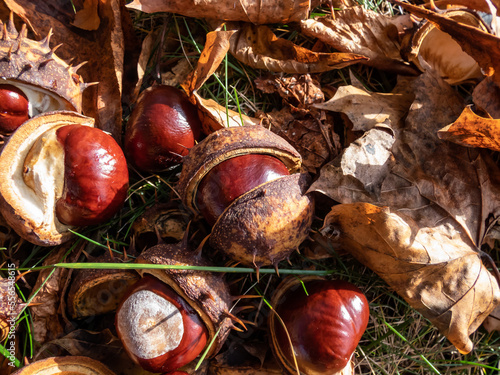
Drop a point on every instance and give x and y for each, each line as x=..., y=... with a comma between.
x=265, y=225
x=205, y=291
x=98, y=291
x=33, y=179
x=324, y=324
x=49, y=82
x=74, y=365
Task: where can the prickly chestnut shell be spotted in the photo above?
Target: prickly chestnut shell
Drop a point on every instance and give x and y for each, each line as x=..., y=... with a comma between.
x=159, y=330
x=325, y=320
x=266, y=224
x=162, y=128
x=51, y=179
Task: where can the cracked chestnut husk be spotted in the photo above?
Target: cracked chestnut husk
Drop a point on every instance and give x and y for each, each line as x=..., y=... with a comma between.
x=324, y=322
x=74, y=365
x=57, y=172
x=170, y=316
x=33, y=79
x=98, y=291
x=243, y=180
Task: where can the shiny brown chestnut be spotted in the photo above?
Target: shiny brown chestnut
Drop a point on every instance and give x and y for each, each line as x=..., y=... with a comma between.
x=233, y=178
x=14, y=108
x=324, y=322
x=162, y=128
x=57, y=171
x=259, y=219
x=159, y=330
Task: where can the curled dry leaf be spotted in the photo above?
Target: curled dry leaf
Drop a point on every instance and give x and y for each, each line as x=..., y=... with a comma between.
x=472, y=130
x=363, y=32
x=449, y=190
x=213, y=116
x=430, y=48
x=255, y=11
x=260, y=48
x=482, y=46
x=434, y=269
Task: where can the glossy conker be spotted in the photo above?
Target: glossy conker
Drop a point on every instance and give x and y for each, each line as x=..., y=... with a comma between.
x=57, y=171
x=162, y=128
x=95, y=176
x=159, y=330
x=14, y=108
x=233, y=178
x=325, y=320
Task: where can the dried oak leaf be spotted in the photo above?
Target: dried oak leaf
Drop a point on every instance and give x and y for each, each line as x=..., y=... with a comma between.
x=434, y=269
x=472, y=130
x=213, y=116
x=442, y=189
x=103, y=49
x=257, y=46
x=255, y=11
x=363, y=32
x=480, y=45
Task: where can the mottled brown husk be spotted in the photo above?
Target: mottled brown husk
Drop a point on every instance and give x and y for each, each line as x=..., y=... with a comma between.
x=206, y=292
x=265, y=225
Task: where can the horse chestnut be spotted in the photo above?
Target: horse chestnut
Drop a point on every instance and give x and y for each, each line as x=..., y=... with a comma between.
x=234, y=177
x=242, y=180
x=14, y=108
x=159, y=330
x=324, y=326
x=57, y=171
x=162, y=128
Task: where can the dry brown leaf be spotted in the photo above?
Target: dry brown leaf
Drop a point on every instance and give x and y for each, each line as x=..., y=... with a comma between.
x=47, y=322
x=486, y=95
x=472, y=130
x=255, y=11
x=434, y=269
x=363, y=32
x=482, y=46
x=369, y=109
x=103, y=48
x=88, y=17
x=260, y=48
x=213, y=116
x=447, y=189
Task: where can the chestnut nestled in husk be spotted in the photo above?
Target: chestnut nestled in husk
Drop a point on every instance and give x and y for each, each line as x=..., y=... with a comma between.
x=162, y=128
x=324, y=322
x=57, y=171
x=14, y=108
x=48, y=82
x=259, y=226
x=203, y=294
